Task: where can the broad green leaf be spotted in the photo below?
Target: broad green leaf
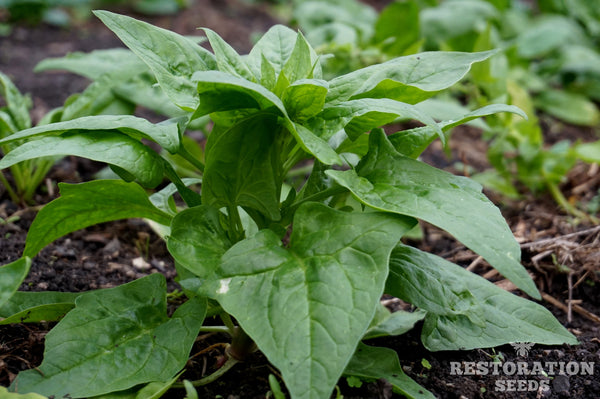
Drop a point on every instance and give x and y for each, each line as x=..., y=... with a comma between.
x=33, y=307
x=198, y=240
x=115, y=339
x=304, y=98
x=116, y=149
x=243, y=166
x=289, y=300
x=409, y=79
x=220, y=91
x=386, y=323
x=4, y=394
x=228, y=60
x=362, y=115
x=505, y=317
x=450, y=202
x=94, y=64
x=374, y=362
x=173, y=58
x=17, y=105
x=569, y=107
x=549, y=33
x=414, y=141
x=11, y=277
x=166, y=134
x=87, y=204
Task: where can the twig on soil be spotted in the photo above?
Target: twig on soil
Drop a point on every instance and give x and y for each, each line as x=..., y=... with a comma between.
x=578, y=309
x=555, y=240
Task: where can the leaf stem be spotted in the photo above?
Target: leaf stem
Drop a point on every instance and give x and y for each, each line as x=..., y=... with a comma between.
x=190, y=158
x=564, y=203
x=319, y=196
x=228, y=322
x=212, y=377
x=11, y=193
x=217, y=329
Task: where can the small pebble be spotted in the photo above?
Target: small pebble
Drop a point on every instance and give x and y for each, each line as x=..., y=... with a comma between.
x=140, y=264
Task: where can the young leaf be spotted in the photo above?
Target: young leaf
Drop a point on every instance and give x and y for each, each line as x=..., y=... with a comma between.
x=289, y=299
x=305, y=98
x=376, y=363
x=86, y=204
x=117, y=149
x=505, y=317
x=243, y=166
x=452, y=203
x=17, y=104
x=409, y=79
x=166, y=134
x=115, y=339
x=228, y=60
x=11, y=277
x=173, y=58
x=397, y=323
x=300, y=64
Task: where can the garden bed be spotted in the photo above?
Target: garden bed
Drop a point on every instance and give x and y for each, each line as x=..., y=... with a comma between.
x=562, y=256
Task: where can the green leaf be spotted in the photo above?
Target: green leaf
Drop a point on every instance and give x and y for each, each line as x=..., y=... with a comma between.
x=115, y=339
x=105, y=146
x=395, y=41
x=33, y=307
x=17, y=104
x=502, y=317
x=414, y=141
x=569, y=107
x=305, y=98
x=300, y=63
x=452, y=203
x=87, y=204
x=220, y=91
x=589, y=152
x=153, y=390
x=386, y=323
x=11, y=277
x=163, y=199
x=4, y=394
x=94, y=64
x=409, y=79
x=173, y=58
x=315, y=145
x=376, y=363
x=289, y=300
x=243, y=166
x=549, y=33
x=360, y=116
x=166, y=134
x=228, y=60
x=197, y=240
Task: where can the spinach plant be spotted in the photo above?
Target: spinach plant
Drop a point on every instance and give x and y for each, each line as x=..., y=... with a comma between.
x=296, y=271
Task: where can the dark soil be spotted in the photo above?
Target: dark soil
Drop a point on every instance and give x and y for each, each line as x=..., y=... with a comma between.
x=109, y=254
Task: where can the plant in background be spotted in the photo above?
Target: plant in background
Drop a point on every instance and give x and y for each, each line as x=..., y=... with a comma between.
x=296, y=271
x=14, y=116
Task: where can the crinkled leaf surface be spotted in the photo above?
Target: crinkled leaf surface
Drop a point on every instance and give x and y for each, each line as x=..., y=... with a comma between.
x=409, y=79
x=308, y=305
x=87, y=204
x=374, y=362
x=242, y=166
x=115, y=339
x=173, y=58
x=129, y=154
x=429, y=281
x=455, y=204
x=165, y=134
x=11, y=277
